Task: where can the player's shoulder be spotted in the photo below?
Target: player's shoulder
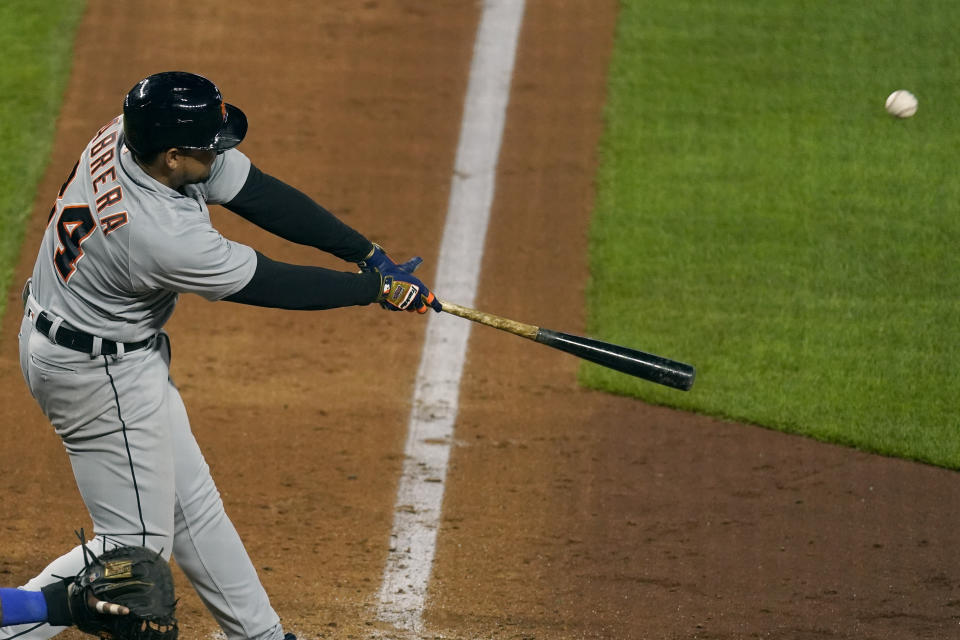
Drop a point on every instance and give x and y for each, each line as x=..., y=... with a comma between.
x=227, y=176
x=105, y=145
x=111, y=130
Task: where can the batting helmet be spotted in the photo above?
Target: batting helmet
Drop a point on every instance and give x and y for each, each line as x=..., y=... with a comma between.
x=180, y=109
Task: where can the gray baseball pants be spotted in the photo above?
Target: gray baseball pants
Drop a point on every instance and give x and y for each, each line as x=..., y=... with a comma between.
x=142, y=476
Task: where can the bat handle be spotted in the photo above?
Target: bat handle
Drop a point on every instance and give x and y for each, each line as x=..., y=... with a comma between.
x=482, y=317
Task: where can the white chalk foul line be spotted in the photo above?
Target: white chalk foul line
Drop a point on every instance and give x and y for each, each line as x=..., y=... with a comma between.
x=430, y=431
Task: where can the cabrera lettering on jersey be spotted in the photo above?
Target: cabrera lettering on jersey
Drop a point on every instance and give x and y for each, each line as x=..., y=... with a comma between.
x=102, y=157
x=75, y=223
x=113, y=222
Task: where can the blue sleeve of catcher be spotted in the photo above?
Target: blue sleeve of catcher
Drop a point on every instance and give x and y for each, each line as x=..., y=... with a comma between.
x=18, y=606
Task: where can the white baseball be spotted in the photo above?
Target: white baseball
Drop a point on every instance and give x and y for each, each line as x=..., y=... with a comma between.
x=901, y=104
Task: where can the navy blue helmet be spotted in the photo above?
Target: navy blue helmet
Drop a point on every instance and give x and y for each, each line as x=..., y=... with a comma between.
x=180, y=109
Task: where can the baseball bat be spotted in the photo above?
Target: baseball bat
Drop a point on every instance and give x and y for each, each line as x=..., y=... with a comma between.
x=670, y=373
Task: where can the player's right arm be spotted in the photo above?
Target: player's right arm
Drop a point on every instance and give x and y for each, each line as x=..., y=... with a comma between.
x=289, y=213
x=285, y=211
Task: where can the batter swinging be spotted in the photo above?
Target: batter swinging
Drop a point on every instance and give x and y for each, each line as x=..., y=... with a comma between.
x=128, y=233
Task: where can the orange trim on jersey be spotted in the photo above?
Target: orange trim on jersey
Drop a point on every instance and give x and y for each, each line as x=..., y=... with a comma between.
x=102, y=144
x=63, y=189
x=111, y=197
x=106, y=126
x=84, y=223
x=102, y=178
x=112, y=222
x=102, y=161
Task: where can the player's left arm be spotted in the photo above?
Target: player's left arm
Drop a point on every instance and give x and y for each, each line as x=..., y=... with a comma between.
x=289, y=213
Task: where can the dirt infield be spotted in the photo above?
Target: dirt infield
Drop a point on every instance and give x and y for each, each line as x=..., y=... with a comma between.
x=568, y=513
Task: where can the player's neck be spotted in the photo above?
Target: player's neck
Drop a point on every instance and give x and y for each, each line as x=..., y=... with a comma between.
x=158, y=172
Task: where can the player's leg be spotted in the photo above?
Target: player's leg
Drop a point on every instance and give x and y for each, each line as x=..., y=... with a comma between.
x=112, y=418
x=208, y=548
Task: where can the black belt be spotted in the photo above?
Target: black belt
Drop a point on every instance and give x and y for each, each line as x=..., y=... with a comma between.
x=83, y=342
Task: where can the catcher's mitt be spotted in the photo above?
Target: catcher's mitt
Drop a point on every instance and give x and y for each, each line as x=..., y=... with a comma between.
x=133, y=577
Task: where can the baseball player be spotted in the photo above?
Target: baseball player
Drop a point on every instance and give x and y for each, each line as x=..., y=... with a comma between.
x=129, y=232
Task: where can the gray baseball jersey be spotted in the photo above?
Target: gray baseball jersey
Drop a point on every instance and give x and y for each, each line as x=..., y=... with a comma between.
x=120, y=246
x=118, y=250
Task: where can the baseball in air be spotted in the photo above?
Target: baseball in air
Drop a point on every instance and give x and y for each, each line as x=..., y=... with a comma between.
x=901, y=104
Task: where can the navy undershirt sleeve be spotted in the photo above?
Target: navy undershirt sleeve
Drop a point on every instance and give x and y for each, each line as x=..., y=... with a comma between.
x=291, y=214
x=288, y=286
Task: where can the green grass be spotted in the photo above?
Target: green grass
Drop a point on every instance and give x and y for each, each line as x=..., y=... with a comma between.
x=37, y=42
x=760, y=216
x=758, y=213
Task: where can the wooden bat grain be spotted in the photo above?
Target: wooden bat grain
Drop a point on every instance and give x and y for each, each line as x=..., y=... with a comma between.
x=504, y=324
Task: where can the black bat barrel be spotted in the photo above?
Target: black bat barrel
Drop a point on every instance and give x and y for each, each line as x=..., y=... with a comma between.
x=670, y=373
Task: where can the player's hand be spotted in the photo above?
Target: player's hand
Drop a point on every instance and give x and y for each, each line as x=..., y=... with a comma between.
x=104, y=607
x=379, y=261
x=400, y=290
x=110, y=609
